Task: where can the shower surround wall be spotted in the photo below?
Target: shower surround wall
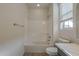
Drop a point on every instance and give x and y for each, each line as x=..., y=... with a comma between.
x=37, y=26
x=38, y=29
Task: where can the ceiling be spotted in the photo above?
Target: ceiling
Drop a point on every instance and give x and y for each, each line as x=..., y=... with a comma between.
x=42, y=5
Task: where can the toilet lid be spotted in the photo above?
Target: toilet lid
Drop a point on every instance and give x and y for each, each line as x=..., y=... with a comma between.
x=52, y=49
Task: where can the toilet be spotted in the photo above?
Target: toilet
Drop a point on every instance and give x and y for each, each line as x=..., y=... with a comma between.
x=51, y=51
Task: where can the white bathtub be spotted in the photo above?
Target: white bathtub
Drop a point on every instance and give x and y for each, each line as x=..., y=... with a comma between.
x=13, y=48
x=36, y=48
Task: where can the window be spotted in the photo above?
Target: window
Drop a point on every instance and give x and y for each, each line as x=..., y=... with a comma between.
x=66, y=15
x=66, y=24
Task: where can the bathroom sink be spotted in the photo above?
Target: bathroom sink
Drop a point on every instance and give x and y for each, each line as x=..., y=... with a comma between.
x=70, y=49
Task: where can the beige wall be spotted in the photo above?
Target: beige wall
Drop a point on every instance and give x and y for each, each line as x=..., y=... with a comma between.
x=55, y=22
x=76, y=22
x=10, y=14
x=50, y=24
x=26, y=27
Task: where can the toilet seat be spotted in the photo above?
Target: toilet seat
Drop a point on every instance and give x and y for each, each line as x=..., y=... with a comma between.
x=51, y=51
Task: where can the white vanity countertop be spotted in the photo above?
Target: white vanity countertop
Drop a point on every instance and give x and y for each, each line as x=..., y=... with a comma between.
x=70, y=49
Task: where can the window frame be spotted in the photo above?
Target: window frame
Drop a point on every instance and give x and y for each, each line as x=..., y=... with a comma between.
x=63, y=21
